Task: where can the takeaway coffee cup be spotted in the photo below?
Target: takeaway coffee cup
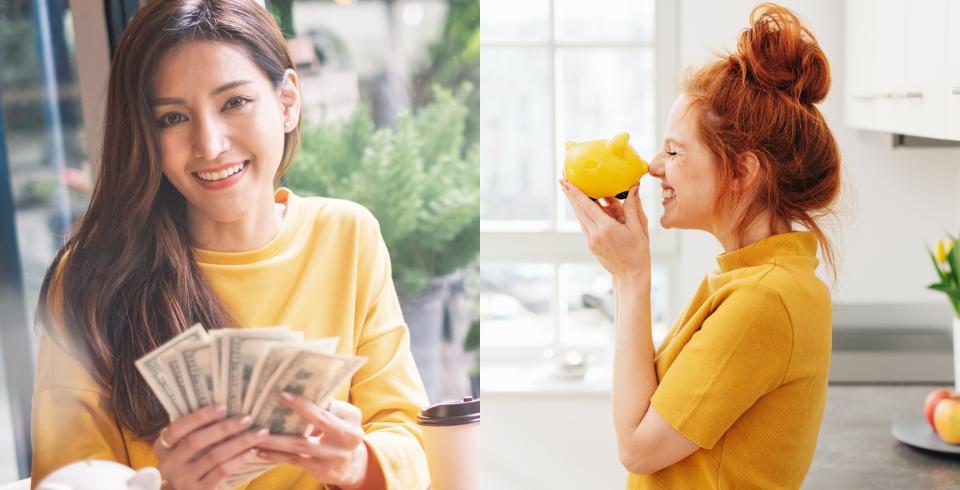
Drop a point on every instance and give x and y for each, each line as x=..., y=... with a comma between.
x=451, y=436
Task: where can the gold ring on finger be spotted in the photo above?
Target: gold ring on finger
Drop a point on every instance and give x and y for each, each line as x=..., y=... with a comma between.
x=162, y=440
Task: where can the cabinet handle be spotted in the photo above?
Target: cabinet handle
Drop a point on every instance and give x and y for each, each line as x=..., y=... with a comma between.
x=896, y=95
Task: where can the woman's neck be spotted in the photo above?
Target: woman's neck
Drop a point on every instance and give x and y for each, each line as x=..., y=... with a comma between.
x=252, y=231
x=757, y=230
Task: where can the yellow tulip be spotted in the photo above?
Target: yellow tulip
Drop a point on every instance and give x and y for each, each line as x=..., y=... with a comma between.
x=941, y=253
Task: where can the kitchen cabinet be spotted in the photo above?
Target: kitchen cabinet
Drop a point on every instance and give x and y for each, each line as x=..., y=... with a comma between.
x=952, y=88
x=897, y=66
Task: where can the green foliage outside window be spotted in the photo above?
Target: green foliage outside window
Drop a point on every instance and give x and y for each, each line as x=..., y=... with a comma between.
x=415, y=178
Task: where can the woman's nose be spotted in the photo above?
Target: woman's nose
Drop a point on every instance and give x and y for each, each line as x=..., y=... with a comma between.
x=210, y=139
x=656, y=166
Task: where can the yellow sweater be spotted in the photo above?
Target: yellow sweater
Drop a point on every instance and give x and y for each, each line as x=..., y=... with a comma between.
x=326, y=273
x=743, y=371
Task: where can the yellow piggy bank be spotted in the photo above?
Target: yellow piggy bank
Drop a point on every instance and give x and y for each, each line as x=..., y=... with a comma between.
x=602, y=168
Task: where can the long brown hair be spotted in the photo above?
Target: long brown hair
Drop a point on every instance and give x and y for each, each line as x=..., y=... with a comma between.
x=129, y=281
x=760, y=99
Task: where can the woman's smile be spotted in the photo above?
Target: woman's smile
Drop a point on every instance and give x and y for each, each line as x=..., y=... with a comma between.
x=668, y=194
x=222, y=176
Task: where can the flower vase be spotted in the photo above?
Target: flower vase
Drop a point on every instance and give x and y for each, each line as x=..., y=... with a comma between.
x=956, y=354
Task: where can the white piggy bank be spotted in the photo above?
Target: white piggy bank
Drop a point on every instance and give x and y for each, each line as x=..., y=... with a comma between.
x=101, y=475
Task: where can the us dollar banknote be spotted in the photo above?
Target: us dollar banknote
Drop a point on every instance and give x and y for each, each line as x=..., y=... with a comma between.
x=159, y=381
x=272, y=358
x=197, y=362
x=240, y=349
x=308, y=373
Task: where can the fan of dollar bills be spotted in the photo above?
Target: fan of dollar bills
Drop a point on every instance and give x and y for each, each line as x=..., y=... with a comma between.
x=246, y=370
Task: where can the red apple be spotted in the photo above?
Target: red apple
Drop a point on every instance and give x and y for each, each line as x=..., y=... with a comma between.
x=932, y=399
x=946, y=420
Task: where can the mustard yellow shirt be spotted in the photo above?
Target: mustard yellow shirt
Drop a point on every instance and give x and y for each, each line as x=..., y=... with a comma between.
x=327, y=273
x=743, y=371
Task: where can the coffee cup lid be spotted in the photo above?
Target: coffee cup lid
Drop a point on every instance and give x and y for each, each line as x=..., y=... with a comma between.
x=460, y=412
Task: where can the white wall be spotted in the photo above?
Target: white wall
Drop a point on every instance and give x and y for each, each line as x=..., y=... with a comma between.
x=894, y=199
x=548, y=441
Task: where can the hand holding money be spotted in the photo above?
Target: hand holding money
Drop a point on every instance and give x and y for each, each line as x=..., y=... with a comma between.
x=246, y=371
x=201, y=450
x=335, y=454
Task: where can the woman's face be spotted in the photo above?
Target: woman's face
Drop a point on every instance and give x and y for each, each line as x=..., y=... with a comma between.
x=690, y=169
x=221, y=126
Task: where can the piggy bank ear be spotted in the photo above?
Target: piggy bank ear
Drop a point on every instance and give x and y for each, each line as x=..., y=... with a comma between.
x=569, y=144
x=145, y=479
x=618, y=143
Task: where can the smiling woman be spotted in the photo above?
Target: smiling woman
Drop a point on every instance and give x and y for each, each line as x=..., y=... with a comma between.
x=185, y=225
x=734, y=394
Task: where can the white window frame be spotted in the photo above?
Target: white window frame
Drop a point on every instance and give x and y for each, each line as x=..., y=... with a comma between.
x=558, y=242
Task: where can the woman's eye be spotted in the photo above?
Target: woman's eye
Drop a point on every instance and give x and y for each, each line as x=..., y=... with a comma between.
x=170, y=119
x=672, y=153
x=236, y=102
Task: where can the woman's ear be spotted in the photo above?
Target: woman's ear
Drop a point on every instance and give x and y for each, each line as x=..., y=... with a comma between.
x=289, y=97
x=750, y=166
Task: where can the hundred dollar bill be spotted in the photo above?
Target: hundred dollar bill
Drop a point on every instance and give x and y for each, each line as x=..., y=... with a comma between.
x=162, y=386
x=240, y=349
x=197, y=360
x=307, y=373
x=265, y=368
x=172, y=368
x=272, y=358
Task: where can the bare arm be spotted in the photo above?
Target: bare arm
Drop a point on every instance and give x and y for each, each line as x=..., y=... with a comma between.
x=645, y=441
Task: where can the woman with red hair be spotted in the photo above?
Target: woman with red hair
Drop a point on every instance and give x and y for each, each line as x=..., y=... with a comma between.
x=734, y=396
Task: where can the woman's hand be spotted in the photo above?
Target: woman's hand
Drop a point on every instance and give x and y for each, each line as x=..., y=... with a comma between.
x=617, y=234
x=335, y=453
x=200, y=450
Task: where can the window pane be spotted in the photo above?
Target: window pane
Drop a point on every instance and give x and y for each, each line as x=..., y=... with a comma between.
x=516, y=305
x=604, y=91
x=511, y=21
x=589, y=305
x=588, y=299
x=605, y=20
x=49, y=174
x=515, y=156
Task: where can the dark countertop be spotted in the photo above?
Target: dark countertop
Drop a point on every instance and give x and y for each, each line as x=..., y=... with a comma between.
x=856, y=450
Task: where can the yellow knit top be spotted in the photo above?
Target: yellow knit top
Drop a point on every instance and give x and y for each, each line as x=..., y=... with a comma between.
x=326, y=273
x=743, y=372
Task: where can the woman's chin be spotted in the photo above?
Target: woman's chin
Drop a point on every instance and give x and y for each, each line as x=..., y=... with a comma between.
x=225, y=211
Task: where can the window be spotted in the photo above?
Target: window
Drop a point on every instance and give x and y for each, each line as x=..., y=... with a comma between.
x=556, y=71
x=44, y=174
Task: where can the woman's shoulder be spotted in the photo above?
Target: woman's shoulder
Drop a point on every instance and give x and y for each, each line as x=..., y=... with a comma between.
x=329, y=211
x=55, y=291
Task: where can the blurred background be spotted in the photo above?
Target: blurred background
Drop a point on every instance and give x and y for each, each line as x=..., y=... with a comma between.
x=560, y=70
x=391, y=115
